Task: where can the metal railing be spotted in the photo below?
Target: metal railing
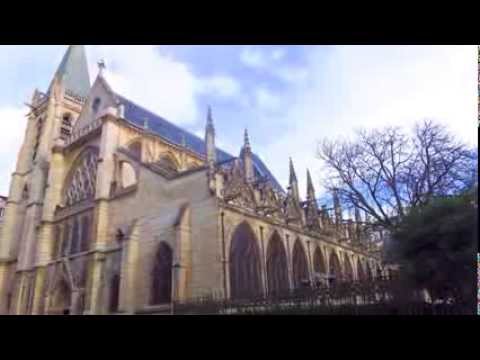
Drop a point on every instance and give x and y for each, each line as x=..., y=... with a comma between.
x=380, y=296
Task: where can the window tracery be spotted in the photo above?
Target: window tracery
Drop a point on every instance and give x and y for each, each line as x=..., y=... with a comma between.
x=82, y=180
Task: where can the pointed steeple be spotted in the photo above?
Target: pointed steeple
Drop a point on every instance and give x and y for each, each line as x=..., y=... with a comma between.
x=72, y=72
x=310, y=189
x=337, y=206
x=358, y=224
x=246, y=140
x=101, y=67
x=210, y=151
x=293, y=183
x=247, y=157
x=293, y=176
x=210, y=139
x=209, y=127
x=313, y=220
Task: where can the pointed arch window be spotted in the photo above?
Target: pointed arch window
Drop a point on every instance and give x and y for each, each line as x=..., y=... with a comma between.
x=245, y=280
x=360, y=272
x=277, y=267
x=81, y=181
x=114, y=293
x=348, y=269
x=319, y=266
x=85, y=239
x=66, y=240
x=135, y=149
x=334, y=268
x=161, y=291
x=96, y=105
x=168, y=162
x=75, y=245
x=300, y=267
x=128, y=174
x=25, y=193
x=66, y=128
x=57, y=242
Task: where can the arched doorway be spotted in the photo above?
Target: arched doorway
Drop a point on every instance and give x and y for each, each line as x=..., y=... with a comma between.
x=162, y=275
x=300, y=267
x=319, y=265
x=348, y=269
x=245, y=280
x=277, y=270
x=334, y=267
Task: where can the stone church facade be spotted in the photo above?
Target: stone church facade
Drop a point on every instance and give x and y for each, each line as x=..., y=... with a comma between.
x=113, y=209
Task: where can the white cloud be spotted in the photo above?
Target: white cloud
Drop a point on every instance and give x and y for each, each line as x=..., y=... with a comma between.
x=266, y=100
x=373, y=87
x=253, y=57
x=13, y=124
x=278, y=54
x=158, y=82
x=218, y=85
x=270, y=61
x=292, y=74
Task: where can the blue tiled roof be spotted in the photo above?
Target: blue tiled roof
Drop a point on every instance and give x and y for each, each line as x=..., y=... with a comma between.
x=137, y=116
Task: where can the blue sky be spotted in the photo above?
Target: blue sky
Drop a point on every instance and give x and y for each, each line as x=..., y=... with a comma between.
x=289, y=97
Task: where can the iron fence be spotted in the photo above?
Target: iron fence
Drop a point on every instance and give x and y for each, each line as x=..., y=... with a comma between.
x=381, y=296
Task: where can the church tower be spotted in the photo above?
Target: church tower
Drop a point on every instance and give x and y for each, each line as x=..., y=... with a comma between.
x=50, y=120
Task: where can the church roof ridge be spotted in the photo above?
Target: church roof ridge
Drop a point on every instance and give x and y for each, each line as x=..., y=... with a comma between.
x=136, y=114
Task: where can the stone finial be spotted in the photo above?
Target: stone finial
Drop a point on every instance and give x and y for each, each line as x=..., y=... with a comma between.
x=246, y=140
x=293, y=176
x=101, y=67
x=209, y=116
x=310, y=188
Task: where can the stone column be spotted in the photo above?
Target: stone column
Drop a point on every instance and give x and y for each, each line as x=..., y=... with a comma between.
x=310, y=264
x=183, y=254
x=128, y=301
x=38, y=305
x=5, y=281
x=264, y=262
x=105, y=176
x=289, y=262
x=97, y=285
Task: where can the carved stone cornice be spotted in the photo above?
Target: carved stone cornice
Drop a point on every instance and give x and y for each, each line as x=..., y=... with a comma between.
x=299, y=231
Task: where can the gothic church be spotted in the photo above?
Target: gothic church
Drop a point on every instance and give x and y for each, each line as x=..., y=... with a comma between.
x=113, y=209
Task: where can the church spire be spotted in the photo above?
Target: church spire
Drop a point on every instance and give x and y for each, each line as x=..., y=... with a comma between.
x=247, y=157
x=312, y=217
x=210, y=127
x=293, y=183
x=337, y=206
x=72, y=72
x=210, y=150
x=310, y=189
x=246, y=142
x=293, y=176
x=210, y=139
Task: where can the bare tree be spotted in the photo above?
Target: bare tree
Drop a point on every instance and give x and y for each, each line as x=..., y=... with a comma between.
x=386, y=172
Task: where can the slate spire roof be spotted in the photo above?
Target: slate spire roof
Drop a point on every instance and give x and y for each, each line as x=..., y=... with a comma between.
x=73, y=71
